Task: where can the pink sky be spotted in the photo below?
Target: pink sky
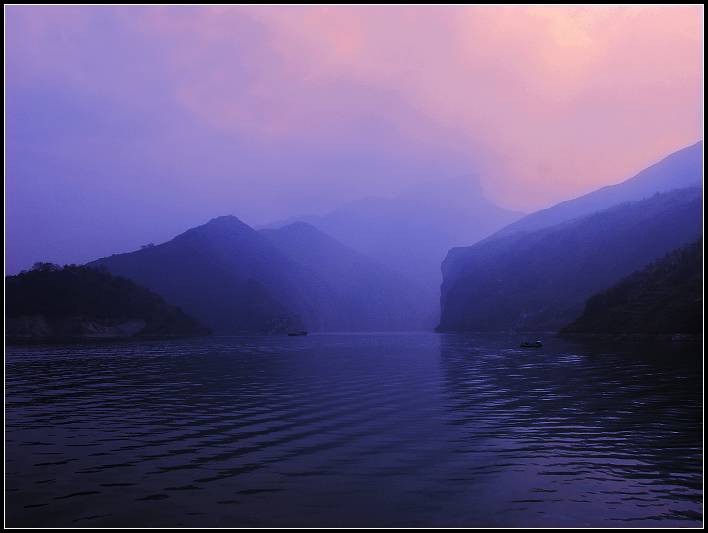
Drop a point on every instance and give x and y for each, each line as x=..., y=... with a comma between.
x=274, y=111
x=558, y=100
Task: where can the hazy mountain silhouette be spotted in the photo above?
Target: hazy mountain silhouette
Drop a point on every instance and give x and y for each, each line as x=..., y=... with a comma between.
x=347, y=290
x=223, y=273
x=412, y=232
x=663, y=298
x=539, y=280
x=680, y=169
x=237, y=280
x=79, y=302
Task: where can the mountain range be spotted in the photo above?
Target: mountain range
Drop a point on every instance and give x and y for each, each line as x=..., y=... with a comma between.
x=537, y=273
x=238, y=280
x=374, y=264
x=539, y=281
x=411, y=232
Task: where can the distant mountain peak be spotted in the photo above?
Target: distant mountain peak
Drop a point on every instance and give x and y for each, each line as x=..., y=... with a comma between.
x=226, y=220
x=221, y=226
x=304, y=232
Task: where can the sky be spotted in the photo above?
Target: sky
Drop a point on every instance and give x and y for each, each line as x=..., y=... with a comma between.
x=127, y=125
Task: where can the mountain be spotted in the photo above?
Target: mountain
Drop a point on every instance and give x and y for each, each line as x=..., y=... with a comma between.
x=239, y=280
x=411, y=233
x=80, y=302
x=663, y=298
x=680, y=169
x=223, y=273
x=539, y=280
x=350, y=291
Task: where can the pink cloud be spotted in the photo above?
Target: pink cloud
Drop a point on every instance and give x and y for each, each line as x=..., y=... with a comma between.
x=569, y=98
x=547, y=101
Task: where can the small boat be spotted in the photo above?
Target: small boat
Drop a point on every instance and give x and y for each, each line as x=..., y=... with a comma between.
x=300, y=333
x=534, y=344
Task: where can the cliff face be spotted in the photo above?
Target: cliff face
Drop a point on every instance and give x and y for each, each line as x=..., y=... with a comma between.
x=540, y=280
x=50, y=302
x=663, y=298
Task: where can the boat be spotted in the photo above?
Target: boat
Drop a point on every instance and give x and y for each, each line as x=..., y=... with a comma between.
x=534, y=344
x=300, y=333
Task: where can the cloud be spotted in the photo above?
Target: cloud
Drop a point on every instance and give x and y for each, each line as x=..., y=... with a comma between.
x=271, y=111
x=551, y=100
x=534, y=94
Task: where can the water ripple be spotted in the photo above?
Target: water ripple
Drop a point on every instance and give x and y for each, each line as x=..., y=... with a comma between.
x=417, y=430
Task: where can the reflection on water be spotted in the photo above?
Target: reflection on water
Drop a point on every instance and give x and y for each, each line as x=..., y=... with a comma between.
x=376, y=430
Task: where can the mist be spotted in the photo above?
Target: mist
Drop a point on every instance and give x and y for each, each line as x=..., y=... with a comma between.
x=127, y=126
x=354, y=266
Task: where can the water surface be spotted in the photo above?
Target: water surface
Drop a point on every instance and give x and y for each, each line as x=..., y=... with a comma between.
x=353, y=430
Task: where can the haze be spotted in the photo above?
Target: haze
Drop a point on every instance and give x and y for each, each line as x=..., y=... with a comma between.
x=127, y=125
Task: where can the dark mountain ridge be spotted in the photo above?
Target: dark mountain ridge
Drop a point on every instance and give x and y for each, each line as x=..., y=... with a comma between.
x=238, y=280
x=665, y=298
x=223, y=273
x=50, y=302
x=539, y=280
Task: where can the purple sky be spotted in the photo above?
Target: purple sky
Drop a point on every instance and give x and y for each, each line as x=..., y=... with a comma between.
x=128, y=125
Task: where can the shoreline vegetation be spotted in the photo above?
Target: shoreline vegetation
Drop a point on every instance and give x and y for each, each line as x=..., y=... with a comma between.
x=80, y=303
x=661, y=299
